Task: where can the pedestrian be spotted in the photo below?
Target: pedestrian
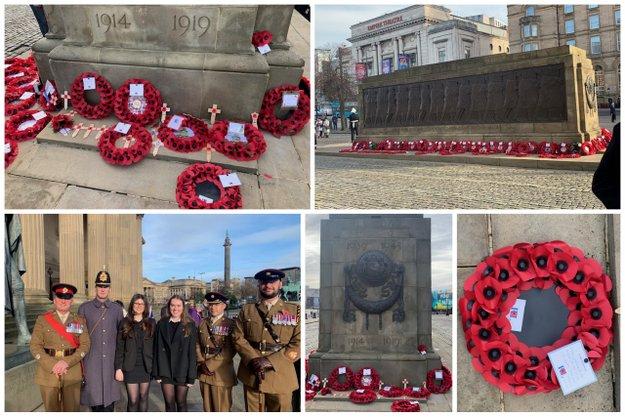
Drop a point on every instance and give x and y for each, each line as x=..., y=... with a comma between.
x=606, y=181
x=134, y=353
x=353, y=123
x=214, y=351
x=193, y=313
x=326, y=127
x=119, y=303
x=100, y=390
x=267, y=337
x=335, y=121
x=59, y=342
x=175, y=365
x=612, y=109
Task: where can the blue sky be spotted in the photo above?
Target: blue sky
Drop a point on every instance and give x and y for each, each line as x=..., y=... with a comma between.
x=332, y=22
x=441, y=250
x=183, y=245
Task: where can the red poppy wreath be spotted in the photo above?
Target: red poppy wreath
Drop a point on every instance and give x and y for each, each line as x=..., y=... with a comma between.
x=363, y=396
x=391, y=391
x=262, y=37
x=187, y=197
x=12, y=126
x=367, y=378
x=310, y=394
x=194, y=143
x=102, y=86
x=297, y=118
x=25, y=83
x=239, y=151
x=491, y=291
x=335, y=375
x=445, y=383
x=417, y=392
x=405, y=406
x=125, y=155
x=13, y=150
x=141, y=108
x=13, y=104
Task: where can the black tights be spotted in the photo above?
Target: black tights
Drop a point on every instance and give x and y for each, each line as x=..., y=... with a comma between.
x=138, y=396
x=175, y=397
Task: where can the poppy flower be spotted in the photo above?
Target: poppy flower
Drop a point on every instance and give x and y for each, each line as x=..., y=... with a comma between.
x=488, y=292
x=562, y=266
x=597, y=315
x=603, y=335
x=493, y=352
x=521, y=264
x=540, y=260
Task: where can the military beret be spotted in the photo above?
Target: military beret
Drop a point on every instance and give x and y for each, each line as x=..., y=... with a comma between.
x=267, y=275
x=103, y=279
x=215, y=297
x=64, y=291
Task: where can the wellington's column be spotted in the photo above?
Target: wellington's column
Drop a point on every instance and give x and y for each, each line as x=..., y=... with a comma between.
x=227, y=245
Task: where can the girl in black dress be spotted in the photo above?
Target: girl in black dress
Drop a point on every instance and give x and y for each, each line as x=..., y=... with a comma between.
x=175, y=366
x=133, y=355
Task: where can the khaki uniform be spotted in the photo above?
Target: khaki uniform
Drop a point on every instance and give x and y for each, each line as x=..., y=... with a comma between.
x=59, y=394
x=216, y=389
x=274, y=393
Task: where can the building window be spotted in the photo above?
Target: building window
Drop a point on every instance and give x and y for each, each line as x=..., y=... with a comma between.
x=592, y=6
x=527, y=47
x=530, y=30
x=569, y=26
x=441, y=55
x=529, y=11
x=617, y=17
x=499, y=48
x=595, y=45
x=593, y=21
x=568, y=8
x=570, y=42
x=467, y=52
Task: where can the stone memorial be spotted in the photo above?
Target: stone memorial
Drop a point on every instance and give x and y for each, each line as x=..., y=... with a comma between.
x=541, y=95
x=196, y=55
x=375, y=296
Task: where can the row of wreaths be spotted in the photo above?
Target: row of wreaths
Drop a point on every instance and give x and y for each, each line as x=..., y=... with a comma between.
x=365, y=390
x=544, y=149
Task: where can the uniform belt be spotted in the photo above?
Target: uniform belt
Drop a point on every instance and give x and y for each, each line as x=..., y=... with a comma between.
x=59, y=353
x=266, y=347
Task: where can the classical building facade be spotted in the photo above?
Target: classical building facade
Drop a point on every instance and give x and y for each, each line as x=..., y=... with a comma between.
x=595, y=28
x=422, y=35
x=72, y=248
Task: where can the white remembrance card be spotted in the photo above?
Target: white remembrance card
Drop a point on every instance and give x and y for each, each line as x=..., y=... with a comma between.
x=342, y=370
x=175, y=122
x=19, y=74
x=205, y=199
x=7, y=148
x=264, y=49
x=230, y=180
x=136, y=90
x=88, y=83
x=236, y=132
x=515, y=316
x=360, y=391
x=122, y=127
x=387, y=388
x=438, y=374
x=49, y=88
x=313, y=378
x=26, y=95
x=39, y=115
x=366, y=372
x=572, y=367
x=416, y=389
x=290, y=100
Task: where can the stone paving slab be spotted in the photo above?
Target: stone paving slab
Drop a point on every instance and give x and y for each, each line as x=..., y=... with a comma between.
x=93, y=199
x=475, y=229
x=32, y=193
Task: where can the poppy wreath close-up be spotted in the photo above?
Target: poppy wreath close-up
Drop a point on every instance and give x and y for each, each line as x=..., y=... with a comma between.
x=417, y=392
x=493, y=288
x=11, y=126
x=445, y=383
x=391, y=391
x=176, y=143
x=405, y=406
x=310, y=394
x=125, y=155
x=363, y=396
x=62, y=121
x=10, y=156
x=103, y=87
x=333, y=379
x=25, y=83
x=294, y=122
x=262, y=37
x=142, y=110
x=239, y=151
x=12, y=102
x=372, y=383
x=187, y=197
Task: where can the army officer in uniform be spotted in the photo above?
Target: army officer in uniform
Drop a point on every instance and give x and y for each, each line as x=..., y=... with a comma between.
x=267, y=337
x=59, y=342
x=214, y=350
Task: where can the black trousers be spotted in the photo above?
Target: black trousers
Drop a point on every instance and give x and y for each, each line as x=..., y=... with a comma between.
x=103, y=408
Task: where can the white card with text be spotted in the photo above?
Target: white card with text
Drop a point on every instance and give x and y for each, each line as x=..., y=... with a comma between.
x=366, y=372
x=342, y=370
x=136, y=90
x=175, y=122
x=236, y=132
x=39, y=115
x=88, y=83
x=290, y=100
x=264, y=49
x=122, y=128
x=572, y=367
x=26, y=95
x=515, y=316
x=7, y=148
x=205, y=199
x=230, y=180
x=49, y=88
x=438, y=374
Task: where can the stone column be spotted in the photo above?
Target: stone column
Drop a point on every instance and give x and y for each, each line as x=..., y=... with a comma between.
x=358, y=54
x=395, y=53
x=401, y=44
x=375, y=58
x=36, y=289
x=379, y=53
x=72, y=253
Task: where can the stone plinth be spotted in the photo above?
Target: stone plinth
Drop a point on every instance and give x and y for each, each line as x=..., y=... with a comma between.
x=195, y=55
x=375, y=296
x=541, y=95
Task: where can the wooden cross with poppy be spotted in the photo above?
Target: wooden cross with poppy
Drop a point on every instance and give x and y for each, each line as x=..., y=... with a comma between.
x=66, y=97
x=214, y=111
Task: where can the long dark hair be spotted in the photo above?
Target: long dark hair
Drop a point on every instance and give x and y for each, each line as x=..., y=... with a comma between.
x=128, y=323
x=184, y=318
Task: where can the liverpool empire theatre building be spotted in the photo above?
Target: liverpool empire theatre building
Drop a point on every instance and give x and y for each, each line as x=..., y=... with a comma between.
x=422, y=35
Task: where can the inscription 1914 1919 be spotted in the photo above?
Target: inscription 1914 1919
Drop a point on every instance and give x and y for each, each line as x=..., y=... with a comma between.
x=111, y=21
x=185, y=23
